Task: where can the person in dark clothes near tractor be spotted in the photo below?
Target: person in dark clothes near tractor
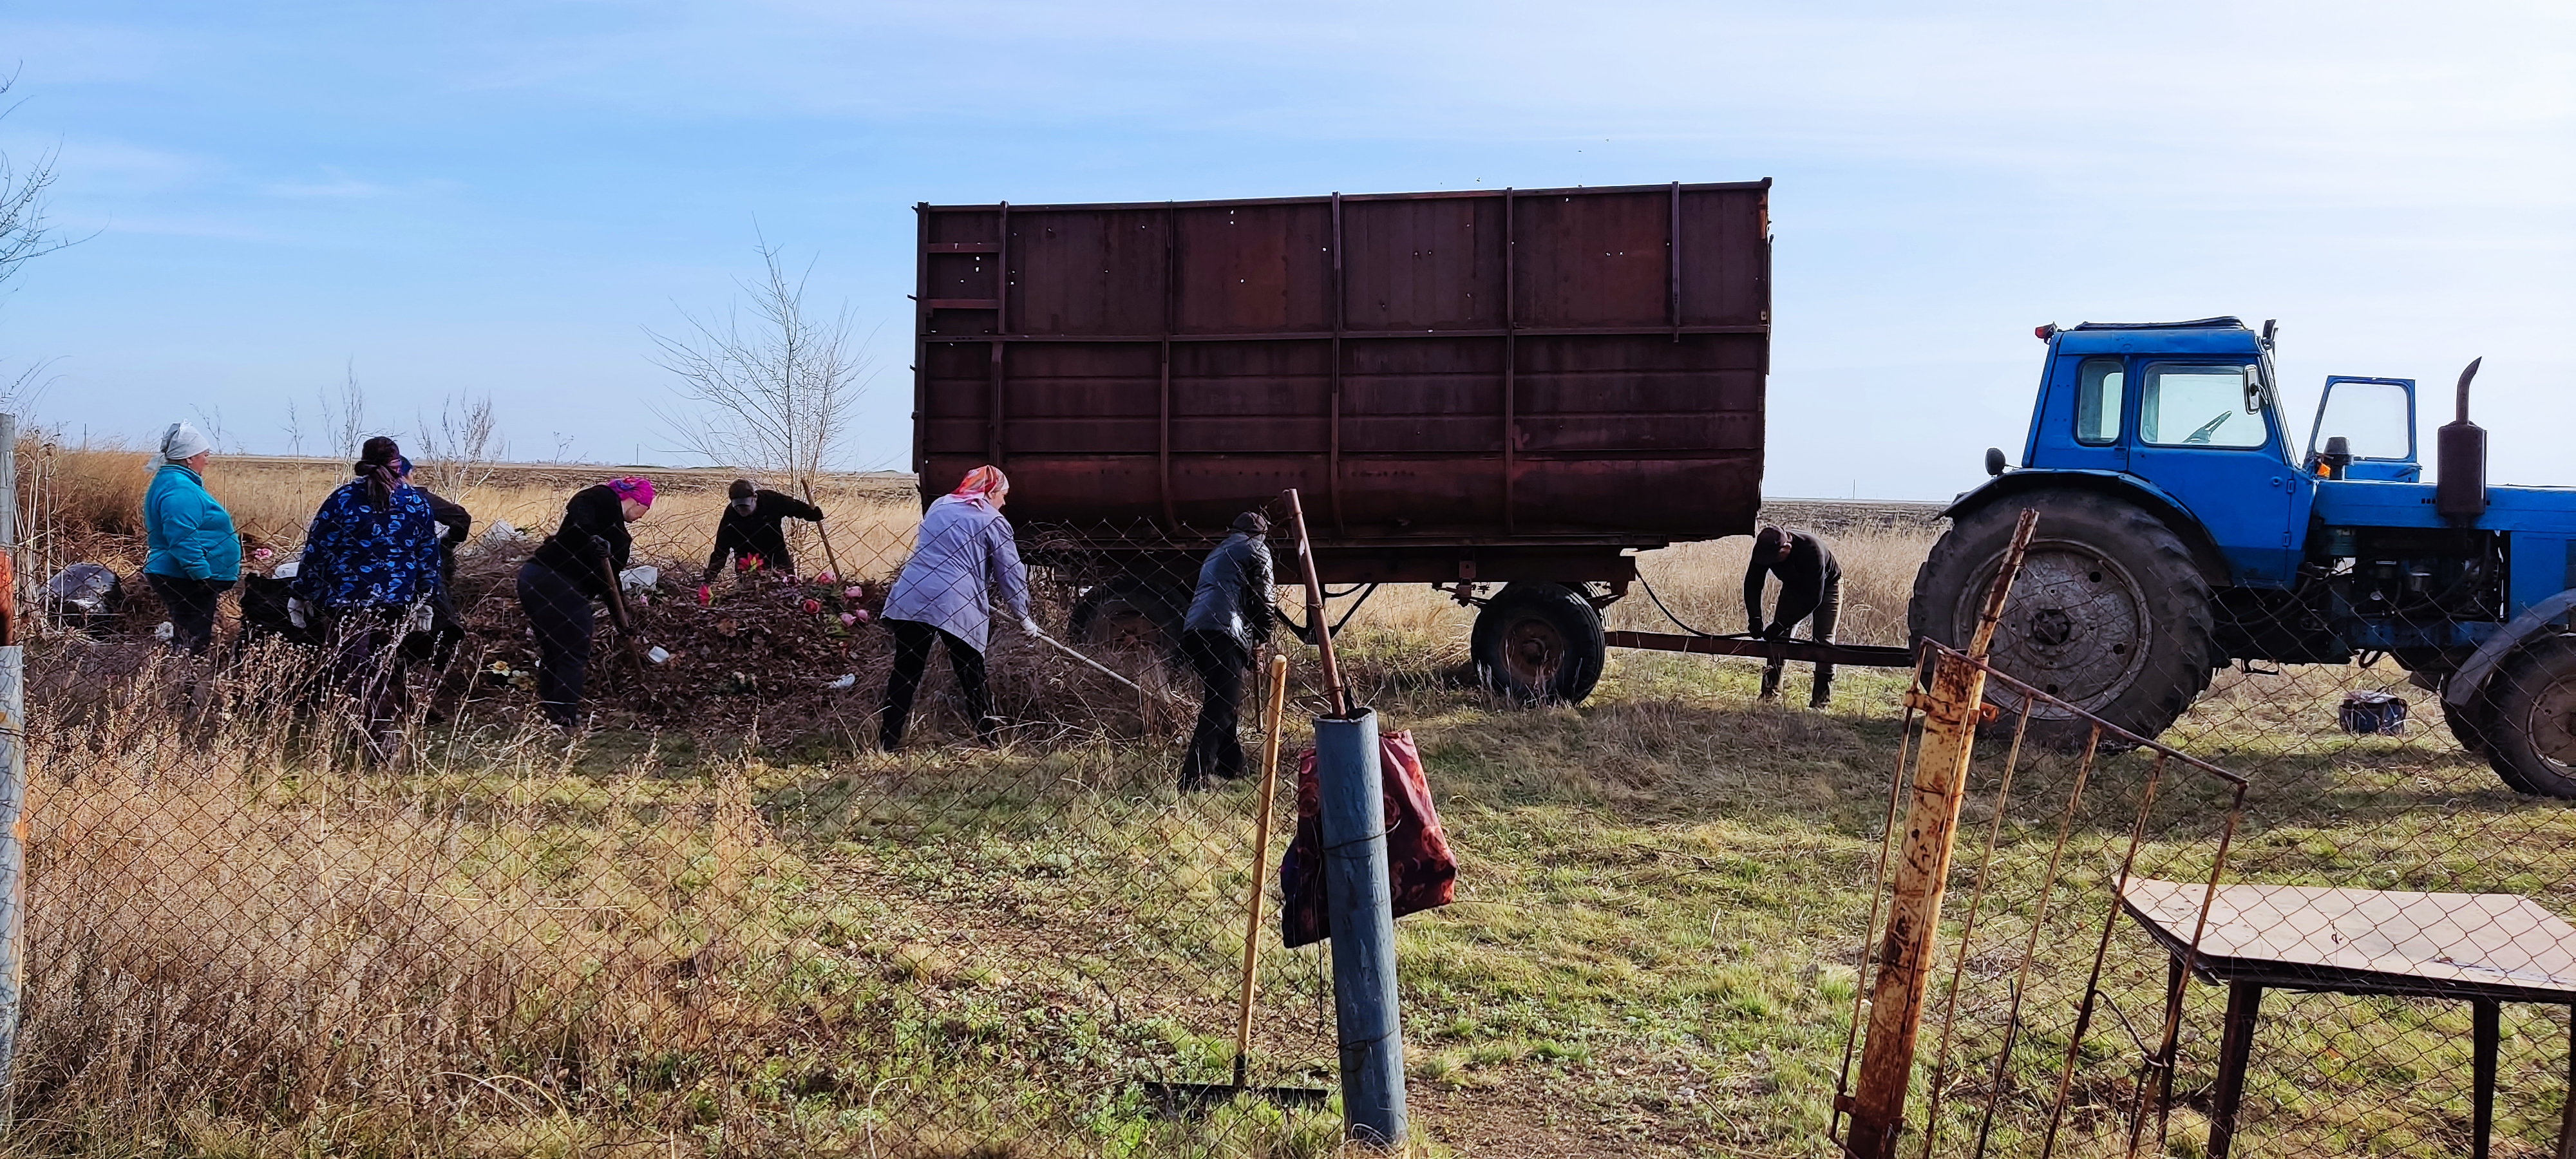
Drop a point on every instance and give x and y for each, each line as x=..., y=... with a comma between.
x=750, y=531
x=577, y=564
x=1230, y=616
x=1811, y=585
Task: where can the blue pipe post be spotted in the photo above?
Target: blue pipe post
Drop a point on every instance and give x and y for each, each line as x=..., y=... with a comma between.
x=1361, y=910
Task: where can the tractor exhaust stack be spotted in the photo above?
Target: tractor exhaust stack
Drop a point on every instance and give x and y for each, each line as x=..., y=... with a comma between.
x=2460, y=480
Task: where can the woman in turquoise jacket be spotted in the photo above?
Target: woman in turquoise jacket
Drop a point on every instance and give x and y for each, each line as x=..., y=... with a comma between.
x=195, y=553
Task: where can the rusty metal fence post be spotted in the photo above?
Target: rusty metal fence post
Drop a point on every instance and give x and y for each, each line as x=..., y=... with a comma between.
x=1952, y=709
x=13, y=770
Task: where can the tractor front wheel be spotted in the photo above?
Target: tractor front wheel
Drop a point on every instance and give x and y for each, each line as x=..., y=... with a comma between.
x=2530, y=726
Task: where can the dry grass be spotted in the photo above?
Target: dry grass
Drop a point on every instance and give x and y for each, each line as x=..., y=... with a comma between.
x=659, y=942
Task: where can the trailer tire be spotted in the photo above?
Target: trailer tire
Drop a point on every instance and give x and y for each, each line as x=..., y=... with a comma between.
x=1129, y=614
x=2531, y=718
x=2110, y=613
x=1539, y=643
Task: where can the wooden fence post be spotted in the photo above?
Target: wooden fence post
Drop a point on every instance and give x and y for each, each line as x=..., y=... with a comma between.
x=1952, y=709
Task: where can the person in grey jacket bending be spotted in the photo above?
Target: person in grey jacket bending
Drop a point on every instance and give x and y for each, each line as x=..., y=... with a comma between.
x=1230, y=617
x=962, y=554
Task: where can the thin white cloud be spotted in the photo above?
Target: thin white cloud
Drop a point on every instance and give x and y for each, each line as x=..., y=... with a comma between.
x=341, y=186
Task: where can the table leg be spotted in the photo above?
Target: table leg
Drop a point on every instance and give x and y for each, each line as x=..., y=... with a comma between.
x=2485, y=1027
x=2235, y=1046
x=2165, y=1052
x=2567, y=1113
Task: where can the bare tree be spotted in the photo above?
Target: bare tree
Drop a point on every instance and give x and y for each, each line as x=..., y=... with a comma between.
x=771, y=388
x=459, y=452
x=24, y=234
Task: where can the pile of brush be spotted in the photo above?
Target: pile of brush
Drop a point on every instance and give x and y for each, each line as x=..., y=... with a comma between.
x=784, y=658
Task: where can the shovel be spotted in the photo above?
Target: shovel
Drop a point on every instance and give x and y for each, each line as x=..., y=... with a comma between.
x=1197, y=1097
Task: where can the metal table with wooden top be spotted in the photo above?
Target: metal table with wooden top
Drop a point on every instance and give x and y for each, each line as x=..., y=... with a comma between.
x=2481, y=948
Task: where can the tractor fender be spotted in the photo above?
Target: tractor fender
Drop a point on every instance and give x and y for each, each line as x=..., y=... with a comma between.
x=2149, y=497
x=2533, y=623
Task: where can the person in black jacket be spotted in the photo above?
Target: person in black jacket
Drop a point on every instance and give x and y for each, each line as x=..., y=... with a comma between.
x=1811, y=585
x=575, y=565
x=750, y=529
x=454, y=523
x=1230, y=616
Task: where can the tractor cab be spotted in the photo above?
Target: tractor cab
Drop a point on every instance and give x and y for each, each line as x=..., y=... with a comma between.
x=2190, y=410
x=2374, y=420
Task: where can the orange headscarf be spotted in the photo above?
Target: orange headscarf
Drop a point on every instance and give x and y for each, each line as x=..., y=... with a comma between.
x=986, y=485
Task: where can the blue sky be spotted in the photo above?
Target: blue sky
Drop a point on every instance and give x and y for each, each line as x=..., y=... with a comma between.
x=467, y=198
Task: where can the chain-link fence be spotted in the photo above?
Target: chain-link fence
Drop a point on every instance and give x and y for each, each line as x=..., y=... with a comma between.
x=709, y=912
x=716, y=917
x=2305, y=924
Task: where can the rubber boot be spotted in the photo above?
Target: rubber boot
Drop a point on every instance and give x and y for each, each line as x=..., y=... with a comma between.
x=1771, y=682
x=1823, y=694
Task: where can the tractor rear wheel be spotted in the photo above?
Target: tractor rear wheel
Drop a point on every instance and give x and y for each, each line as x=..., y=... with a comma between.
x=2109, y=614
x=1539, y=642
x=2531, y=719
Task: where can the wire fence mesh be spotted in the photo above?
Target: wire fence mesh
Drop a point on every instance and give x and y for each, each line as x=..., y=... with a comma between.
x=2294, y=927
x=715, y=918
x=243, y=911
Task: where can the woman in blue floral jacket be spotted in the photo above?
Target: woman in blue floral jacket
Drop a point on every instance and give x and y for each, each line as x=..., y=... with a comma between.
x=370, y=566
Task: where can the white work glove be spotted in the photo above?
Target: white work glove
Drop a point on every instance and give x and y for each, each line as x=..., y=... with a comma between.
x=1029, y=624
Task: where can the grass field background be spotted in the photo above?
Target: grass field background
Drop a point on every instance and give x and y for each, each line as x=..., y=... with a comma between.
x=676, y=943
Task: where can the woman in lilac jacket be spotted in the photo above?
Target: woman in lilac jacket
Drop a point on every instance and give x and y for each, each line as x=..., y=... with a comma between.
x=962, y=553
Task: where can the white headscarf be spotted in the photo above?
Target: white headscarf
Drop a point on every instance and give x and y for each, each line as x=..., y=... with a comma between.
x=181, y=441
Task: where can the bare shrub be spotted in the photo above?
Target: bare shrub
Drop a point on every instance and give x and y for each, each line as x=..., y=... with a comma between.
x=459, y=453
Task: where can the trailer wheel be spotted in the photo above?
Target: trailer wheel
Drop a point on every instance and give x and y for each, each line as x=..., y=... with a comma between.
x=1128, y=615
x=1539, y=642
x=2531, y=721
x=2109, y=614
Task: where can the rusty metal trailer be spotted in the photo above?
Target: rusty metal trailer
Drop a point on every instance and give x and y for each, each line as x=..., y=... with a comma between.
x=1494, y=387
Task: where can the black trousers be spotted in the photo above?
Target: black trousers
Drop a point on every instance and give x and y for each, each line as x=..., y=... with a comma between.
x=912, y=641
x=560, y=613
x=1820, y=630
x=192, y=604
x=1215, y=748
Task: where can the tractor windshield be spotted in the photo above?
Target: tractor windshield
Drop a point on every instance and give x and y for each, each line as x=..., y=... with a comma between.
x=2203, y=405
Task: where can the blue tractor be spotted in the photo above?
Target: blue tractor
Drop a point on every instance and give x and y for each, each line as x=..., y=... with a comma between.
x=2180, y=532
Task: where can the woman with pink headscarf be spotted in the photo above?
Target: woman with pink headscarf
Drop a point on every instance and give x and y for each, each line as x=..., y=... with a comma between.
x=575, y=565
x=963, y=551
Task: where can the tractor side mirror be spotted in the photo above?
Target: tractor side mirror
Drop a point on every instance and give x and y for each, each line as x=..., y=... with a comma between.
x=1994, y=461
x=2253, y=391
